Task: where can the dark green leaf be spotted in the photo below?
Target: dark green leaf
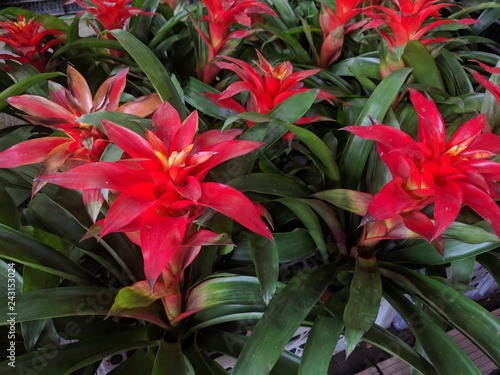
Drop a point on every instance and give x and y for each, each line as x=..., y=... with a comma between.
x=272, y=184
x=285, y=313
x=423, y=66
x=66, y=359
x=8, y=214
x=474, y=321
x=365, y=293
x=442, y=351
x=58, y=302
x=24, y=249
x=20, y=87
x=310, y=220
x=492, y=264
x=134, y=123
x=154, y=70
x=265, y=258
x=395, y=346
x=169, y=360
x=291, y=246
x=320, y=345
x=357, y=150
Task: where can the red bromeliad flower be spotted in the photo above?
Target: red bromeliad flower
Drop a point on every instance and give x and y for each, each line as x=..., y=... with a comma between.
x=407, y=24
x=222, y=14
x=434, y=171
x=160, y=186
x=334, y=25
x=277, y=84
x=82, y=143
x=486, y=83
x=28, y=41
x=112, y=14
x=410, y=23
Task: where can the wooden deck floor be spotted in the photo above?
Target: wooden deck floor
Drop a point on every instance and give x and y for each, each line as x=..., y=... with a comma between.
x=394, y=366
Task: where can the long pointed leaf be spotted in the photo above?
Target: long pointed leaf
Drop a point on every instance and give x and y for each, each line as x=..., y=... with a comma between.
x=265, y=257
x=365, y=293
x=153, y=69
x=284, y=315
x=320, y=345
x=24, y=249
x=443, y=352
x=424, y=67
x=357, y=150
x=21, y=86
x=474, y=321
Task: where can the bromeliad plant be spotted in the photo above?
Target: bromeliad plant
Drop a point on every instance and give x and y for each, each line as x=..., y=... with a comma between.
x=163, y=199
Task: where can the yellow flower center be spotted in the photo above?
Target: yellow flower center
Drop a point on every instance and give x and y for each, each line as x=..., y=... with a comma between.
x=20, y=24
x=176, y=158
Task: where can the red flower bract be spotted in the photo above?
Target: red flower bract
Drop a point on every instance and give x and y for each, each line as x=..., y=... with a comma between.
x=112, y=14
x=160, y=185
x=334, y=24
x=28, y=41
x=222, y=14
x=435, y=171
x=267, y=90
x=82, y=143
x=410, y=23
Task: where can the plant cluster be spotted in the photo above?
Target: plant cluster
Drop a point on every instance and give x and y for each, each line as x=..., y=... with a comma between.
x=169, y=166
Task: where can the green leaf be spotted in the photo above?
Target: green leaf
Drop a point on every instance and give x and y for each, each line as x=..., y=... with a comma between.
x=492, y=264
x=143, y=24
x=265, y=258
x=285, y=12
x=424, y=68
x=288, y=36
x=423, y=253
x=50, y=22
x=9, y=215
x=462, y=270
x=154, y=70
x=490, y=105
x=24, y=249
x=136, y=363
x=396, y=347
x=320, y=345
x=291, y=246
x=474, y=321
x=88, y=43
x=224, y=290
x=486, y=18
x=137, y=295
x=194, y=94
x=272, y=184
x=452, y=66
x=321, y=151
x=288, y=111
x=442, y=351
x=169, y=359
x=66, y=359
x=285, y=313
x=134, y=123
x=357, y=149
x=473, y=234
x=367, y=66
x=365, y=293
x=20, y=87
x=349, y=200
x=310, y=220
x=328, y=215
x=62, y=301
